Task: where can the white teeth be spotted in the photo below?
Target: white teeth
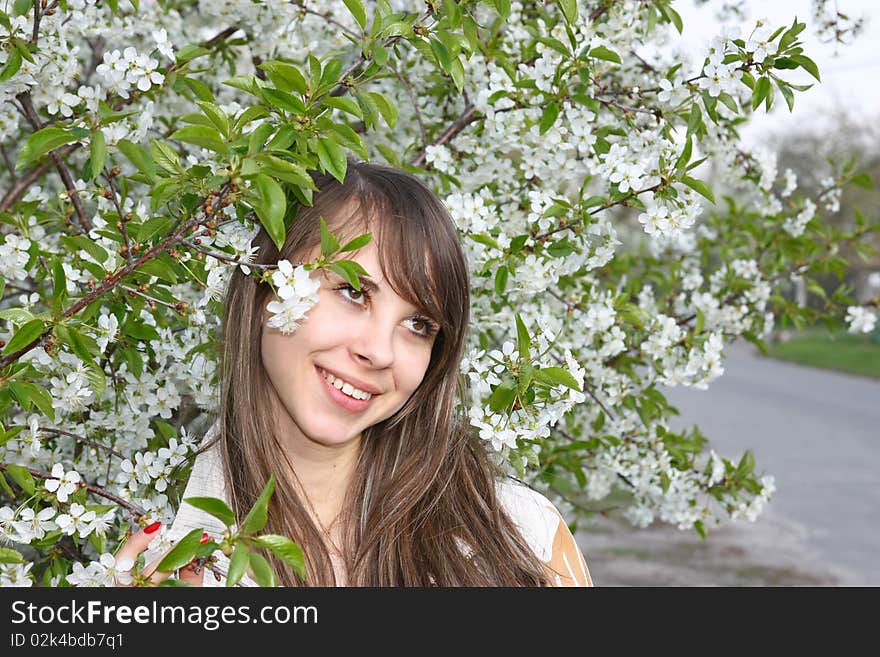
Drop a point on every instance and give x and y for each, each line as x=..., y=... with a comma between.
x=346, y=387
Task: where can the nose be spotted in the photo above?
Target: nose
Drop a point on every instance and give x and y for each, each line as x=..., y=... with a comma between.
x=373, y=346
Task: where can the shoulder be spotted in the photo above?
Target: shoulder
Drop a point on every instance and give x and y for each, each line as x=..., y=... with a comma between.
x=545, y=531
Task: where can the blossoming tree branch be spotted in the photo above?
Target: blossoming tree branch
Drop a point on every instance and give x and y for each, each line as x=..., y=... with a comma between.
x=144, y=143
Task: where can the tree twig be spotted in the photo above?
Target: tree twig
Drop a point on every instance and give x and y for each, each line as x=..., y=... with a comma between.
x=92, y=488
x=468, y=116
x=112, y=280
x=27, y=105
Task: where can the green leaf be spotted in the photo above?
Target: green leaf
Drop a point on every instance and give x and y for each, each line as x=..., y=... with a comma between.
x=746, y=464
x=332, y=158
x=356, y=7
x=98, y=151
x=555, y=376
x=285, y=170
x=257, y=516
x=283, y=100
x=8, y=555
x=190, y=52
x=787, y=93
x=357, y=243
x=285, y=549
x=441, y=54
x=502, y=7
x=252, y=113
x=203, y=136
x=548, y=117
x=165, y=157
x=42, y=142
x=523, y=340
x=346, y=104
x=25, y=335
x=152, y=227
x=350, y=271
x=862, y=179
x=22, y=477
x=685, y=156
x=286, y=77
x=807, y=64
x=16, y=315
x=217, y=508
x=21, y=7
x=29, y=393
x=182, y=553
x=237, y=565
x=217, y=117
x=139, y=157
x=502, y=397
x=96, y=377
x=12, y=66
x=386, y=108
x=501, y=279
x=263, y=573
x=271, y=208
x=569, y=10
x=329, y=243
x=59, y=286
x=762, y=88
x=699, y=186
x=601, y=52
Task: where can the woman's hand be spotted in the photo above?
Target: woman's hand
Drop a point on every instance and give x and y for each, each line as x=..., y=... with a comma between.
x=141, y=540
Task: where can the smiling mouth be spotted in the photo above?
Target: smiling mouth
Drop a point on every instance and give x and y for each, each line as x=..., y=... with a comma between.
x=344, y=388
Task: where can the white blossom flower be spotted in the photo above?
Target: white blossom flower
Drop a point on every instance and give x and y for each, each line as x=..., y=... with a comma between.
x=117, y=570
x=163, y=44
x=34, y=525
x=63, y=484
x=860, y=320
x=16, y=575
x=77, y=520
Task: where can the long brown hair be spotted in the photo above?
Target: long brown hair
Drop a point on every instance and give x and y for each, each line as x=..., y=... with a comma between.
x=421, y=507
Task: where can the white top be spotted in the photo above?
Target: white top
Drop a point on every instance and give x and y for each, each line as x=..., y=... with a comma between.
x=534, y=515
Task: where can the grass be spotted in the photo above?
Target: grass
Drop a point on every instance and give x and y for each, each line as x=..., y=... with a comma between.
x=840, y=351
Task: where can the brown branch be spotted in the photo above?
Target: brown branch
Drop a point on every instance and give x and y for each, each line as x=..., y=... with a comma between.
x=133, y=292
x=97, y=55
x=326, y=16
x=8, y=162
x=31, y=114
x=600, y=208
x=121, y=224
x=92, y=488
x=112, y=280
x=83, y=439
x=214, y=40
x=22, y=184
x=467, y=117
x=19, y=188
x=343, y=87
x=225, y=257
x=415, y=103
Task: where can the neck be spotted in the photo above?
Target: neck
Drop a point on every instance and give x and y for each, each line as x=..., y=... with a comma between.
x=323, y=473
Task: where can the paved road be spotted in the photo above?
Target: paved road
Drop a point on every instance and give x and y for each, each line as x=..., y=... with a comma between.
x=818, y=433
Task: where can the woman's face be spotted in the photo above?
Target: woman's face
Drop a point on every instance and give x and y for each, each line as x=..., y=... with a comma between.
x=370, y=339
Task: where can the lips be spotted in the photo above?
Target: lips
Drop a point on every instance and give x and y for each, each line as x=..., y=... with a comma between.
x=340, y=398
x=357, y=383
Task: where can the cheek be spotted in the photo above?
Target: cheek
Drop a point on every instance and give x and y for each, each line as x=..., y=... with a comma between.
x=413, y=368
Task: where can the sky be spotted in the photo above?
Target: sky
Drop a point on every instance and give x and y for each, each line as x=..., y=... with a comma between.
x=850, y=73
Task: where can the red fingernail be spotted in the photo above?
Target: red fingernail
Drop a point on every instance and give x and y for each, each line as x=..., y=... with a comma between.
x=149, y=529
x=205, y=538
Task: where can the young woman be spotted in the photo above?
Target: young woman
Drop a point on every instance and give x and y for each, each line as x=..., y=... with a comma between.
x=380, y=482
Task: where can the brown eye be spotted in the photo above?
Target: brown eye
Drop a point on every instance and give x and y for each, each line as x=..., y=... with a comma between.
x=351, y=295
